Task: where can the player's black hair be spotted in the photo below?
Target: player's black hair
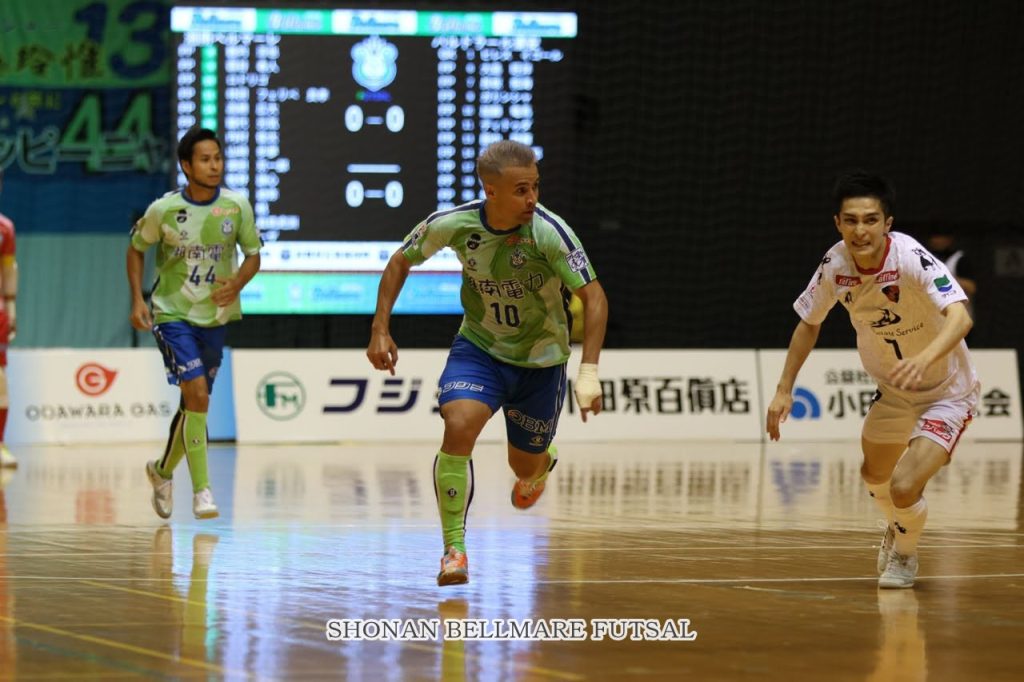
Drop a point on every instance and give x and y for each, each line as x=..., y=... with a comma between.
x=191, y=138
x=860, y=183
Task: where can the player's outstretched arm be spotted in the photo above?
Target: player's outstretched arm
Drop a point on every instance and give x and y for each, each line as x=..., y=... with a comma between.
x=595, y=317
x=800, y=345
x=382, y=351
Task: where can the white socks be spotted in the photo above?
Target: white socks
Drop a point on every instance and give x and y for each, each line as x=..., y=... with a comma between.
x=909, y=525
x=880, y=493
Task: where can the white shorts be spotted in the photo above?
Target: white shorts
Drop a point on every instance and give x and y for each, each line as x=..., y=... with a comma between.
x=896, y=417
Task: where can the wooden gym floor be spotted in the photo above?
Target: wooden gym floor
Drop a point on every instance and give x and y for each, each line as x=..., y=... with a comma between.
x=768, y=552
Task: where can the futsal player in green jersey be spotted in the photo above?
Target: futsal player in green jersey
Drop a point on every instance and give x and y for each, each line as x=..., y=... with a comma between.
x=196, y=231
x=520, y=265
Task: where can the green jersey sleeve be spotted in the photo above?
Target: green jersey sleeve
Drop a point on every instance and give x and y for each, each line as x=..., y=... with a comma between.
x=563, y=250
x=248, y=234
x=147, y=231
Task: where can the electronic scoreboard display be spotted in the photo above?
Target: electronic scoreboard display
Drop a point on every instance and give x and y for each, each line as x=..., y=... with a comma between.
x=346, y=127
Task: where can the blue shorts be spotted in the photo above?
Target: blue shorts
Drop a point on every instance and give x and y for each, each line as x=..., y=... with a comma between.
x=530, y=397
x=190, y=351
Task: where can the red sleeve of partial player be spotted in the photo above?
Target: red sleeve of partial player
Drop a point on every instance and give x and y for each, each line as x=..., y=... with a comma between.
x=6, y=236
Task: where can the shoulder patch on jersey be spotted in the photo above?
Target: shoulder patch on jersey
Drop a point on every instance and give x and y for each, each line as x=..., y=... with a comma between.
x=943, y=284
x=577, y=260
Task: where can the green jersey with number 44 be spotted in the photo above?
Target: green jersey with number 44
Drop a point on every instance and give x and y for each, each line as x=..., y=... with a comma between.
x=516, y=284
x=196, y=246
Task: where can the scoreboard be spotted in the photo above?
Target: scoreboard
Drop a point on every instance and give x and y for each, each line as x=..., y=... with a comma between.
x=346, y=127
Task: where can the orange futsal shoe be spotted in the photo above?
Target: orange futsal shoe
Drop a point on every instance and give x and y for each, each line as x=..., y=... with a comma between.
x=454, y=568
x=526, y=493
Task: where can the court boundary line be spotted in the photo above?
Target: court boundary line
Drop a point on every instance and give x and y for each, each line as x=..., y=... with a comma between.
x=742, y=581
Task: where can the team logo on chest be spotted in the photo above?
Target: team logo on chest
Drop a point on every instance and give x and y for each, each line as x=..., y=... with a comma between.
x=182, y=217
x=892, y=292
x=227, y=226
x=473, y=242
x=888, y=318
x=517, y=259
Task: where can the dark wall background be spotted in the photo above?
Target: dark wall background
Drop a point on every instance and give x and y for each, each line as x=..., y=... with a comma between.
x=708, y=135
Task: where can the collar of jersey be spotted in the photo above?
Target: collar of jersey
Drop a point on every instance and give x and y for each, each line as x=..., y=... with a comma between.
x=200, y=203
x=483, y=221
x=885, y=256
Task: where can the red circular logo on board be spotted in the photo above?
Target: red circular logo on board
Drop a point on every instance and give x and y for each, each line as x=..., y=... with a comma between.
x=94, y=379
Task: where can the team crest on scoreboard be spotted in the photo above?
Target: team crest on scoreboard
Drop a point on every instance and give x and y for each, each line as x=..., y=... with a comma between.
x=373, y=63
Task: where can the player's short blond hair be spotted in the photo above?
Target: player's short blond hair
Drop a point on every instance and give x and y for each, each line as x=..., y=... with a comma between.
x=501, y=155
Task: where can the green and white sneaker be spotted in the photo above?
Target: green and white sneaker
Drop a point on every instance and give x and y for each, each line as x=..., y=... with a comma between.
x=163, y=491
x=203, y=505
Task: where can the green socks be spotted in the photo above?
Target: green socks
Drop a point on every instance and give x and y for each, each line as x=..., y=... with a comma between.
x=175, y=449
x=453, y=485
x=194, y=429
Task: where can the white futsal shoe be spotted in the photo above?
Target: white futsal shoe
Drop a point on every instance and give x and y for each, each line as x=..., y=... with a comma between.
x=900, y=571
x=163, y=491
x=203, y=505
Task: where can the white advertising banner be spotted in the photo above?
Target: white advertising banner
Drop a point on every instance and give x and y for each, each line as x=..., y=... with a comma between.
x=833, y=393
x=334, y=395
x=63, y=396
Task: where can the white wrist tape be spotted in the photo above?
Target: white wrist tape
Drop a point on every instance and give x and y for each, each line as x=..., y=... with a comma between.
x=587, y=386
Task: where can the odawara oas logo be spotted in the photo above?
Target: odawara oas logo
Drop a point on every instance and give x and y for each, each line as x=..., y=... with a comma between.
x=281, y=396
x=93, y=379
x=805, y=404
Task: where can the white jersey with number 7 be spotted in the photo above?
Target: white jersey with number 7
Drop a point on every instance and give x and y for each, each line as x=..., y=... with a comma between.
x=896, y=310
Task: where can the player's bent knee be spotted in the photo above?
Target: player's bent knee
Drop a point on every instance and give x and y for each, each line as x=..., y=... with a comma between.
x=873, y=473
x=904, y=491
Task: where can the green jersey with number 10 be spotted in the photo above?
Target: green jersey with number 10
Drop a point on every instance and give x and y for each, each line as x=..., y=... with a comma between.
x=197, y=246
x=515, y=283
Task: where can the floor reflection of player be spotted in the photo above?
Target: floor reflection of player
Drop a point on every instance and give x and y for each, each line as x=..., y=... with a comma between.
x=188, y=611
x=901, y=651
x=453, y=651
x=8, y=651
